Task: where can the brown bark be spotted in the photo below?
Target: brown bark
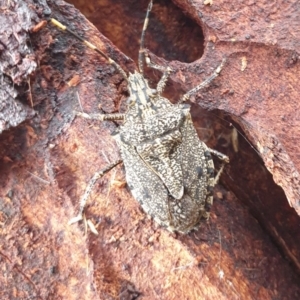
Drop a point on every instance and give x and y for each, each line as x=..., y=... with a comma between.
x=47, y=161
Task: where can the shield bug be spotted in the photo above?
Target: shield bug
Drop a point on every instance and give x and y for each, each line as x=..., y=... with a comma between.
x=169, y=170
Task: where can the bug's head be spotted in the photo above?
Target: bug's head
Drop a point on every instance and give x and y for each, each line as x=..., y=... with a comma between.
x=140, y=92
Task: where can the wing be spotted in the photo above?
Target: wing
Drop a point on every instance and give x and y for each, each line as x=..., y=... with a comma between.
x=155, y=134
x=198, y=177
x=162, y=156
x=145, y=186
x=197, y=165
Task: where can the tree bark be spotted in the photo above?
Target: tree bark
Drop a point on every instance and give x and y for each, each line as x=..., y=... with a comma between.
x=48, y=159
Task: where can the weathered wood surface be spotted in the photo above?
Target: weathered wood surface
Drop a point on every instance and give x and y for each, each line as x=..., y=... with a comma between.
x=47, y=161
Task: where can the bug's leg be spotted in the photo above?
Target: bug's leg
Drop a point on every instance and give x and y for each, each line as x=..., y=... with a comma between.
x=163, y=80
x=89, y=188
x=225, y=160
x=142, y=46
x=166, y=73
x=206, y=82
x=218, y=175
x=101, y=117
x=213, y=179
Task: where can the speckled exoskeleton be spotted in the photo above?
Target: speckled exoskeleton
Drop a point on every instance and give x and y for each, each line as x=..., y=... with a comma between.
x=169, y=170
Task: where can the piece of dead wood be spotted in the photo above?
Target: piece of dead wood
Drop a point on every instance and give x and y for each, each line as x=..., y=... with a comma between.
x=47, y=163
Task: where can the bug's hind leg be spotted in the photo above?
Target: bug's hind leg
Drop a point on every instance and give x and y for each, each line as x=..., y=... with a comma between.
x=89, y=189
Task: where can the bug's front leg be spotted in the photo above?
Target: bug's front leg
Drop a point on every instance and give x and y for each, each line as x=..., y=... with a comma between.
x=89, y=189
x=166, y=73
x=99, y=174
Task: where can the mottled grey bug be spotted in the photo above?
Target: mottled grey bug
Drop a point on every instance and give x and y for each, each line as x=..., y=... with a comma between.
x=169, y=170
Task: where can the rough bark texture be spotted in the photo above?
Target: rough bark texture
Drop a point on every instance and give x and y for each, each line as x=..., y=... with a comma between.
x=16, y=64
x=47, y=161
